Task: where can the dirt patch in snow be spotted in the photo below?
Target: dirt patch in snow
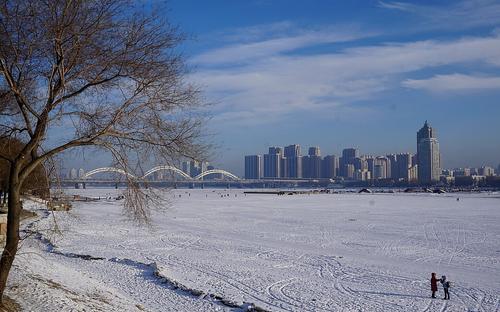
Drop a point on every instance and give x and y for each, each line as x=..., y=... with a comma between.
x=9, y=305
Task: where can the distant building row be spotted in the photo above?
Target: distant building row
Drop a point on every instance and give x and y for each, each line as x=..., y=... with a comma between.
x=485, y=171
x=289, y=163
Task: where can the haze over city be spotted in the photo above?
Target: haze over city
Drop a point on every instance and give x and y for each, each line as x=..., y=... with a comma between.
x=338, y=74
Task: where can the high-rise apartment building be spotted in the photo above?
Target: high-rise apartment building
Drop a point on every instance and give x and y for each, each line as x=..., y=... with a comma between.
x=311, y=164
x=362, y=175
x=360, y=163
x=379, y=171
x=393, y=167
x=348, y=158
x=292, y=150
x=350, y=153
x=272, y=163
x=428, y=155
x=381, y=168
x=329, y=166
x=194, y=167
x=284, y=168
x=349, y=171
x=253, y=167
x=413, y=173
x=404, y=162
x=370, y=162
x=486, y=171
x=293, y=161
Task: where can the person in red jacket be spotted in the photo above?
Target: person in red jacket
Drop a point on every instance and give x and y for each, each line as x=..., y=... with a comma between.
x=434, y=285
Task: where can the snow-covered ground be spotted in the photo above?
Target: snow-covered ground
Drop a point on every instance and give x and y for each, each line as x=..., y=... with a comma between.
x=210, y=250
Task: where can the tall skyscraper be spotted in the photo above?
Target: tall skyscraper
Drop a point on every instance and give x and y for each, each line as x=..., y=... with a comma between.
x=253, y=167
x=362, y=175
x=329, y=166
x=293, y=161
x=380, y=165
x=284, y=167
x=306, y=170
x=348, y=158
x=393, y=167
x=292, y=150
x=428, y=155
x=404, y=166
x=370, y=161
x=360, y=164
x=349, y=171
x=272, y=163
x=311, y=164
x=349, y=154
x=194, y=167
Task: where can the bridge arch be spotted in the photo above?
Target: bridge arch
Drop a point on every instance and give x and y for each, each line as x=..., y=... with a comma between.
x=108, y=169
x=166, y=167
x=219, y=171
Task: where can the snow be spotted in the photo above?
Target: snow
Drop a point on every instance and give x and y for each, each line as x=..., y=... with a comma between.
x=222, y=250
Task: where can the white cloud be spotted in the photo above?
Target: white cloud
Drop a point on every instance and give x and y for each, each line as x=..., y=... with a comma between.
x=401, y=6
x=258, y=32
x=453, y=82
x=246, y=52
x=460, y=15
x=279, y=83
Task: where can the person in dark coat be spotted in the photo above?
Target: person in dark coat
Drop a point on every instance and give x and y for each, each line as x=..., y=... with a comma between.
x=434, y=285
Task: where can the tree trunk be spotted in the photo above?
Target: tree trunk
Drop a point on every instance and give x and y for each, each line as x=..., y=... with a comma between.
x=12, y=240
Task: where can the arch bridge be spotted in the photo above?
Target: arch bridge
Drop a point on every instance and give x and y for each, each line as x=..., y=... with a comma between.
x=109, y=170
x=160, y=168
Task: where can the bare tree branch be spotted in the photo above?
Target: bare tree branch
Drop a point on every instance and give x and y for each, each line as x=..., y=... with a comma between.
x=103, y=75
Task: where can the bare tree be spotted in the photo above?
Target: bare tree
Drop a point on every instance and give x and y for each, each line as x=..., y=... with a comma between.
x=98, y=73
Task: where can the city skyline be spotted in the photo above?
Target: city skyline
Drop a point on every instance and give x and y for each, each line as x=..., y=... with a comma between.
x=240, y=168
x=423, y=167
x=288, y=162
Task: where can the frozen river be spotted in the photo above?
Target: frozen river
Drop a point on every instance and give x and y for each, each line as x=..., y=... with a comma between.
x=210, y=250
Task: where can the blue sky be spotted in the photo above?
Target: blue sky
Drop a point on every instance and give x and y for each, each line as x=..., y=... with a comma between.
x=338, y=74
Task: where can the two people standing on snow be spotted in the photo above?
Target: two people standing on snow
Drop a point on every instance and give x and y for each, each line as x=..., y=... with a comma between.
x=444, y=282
